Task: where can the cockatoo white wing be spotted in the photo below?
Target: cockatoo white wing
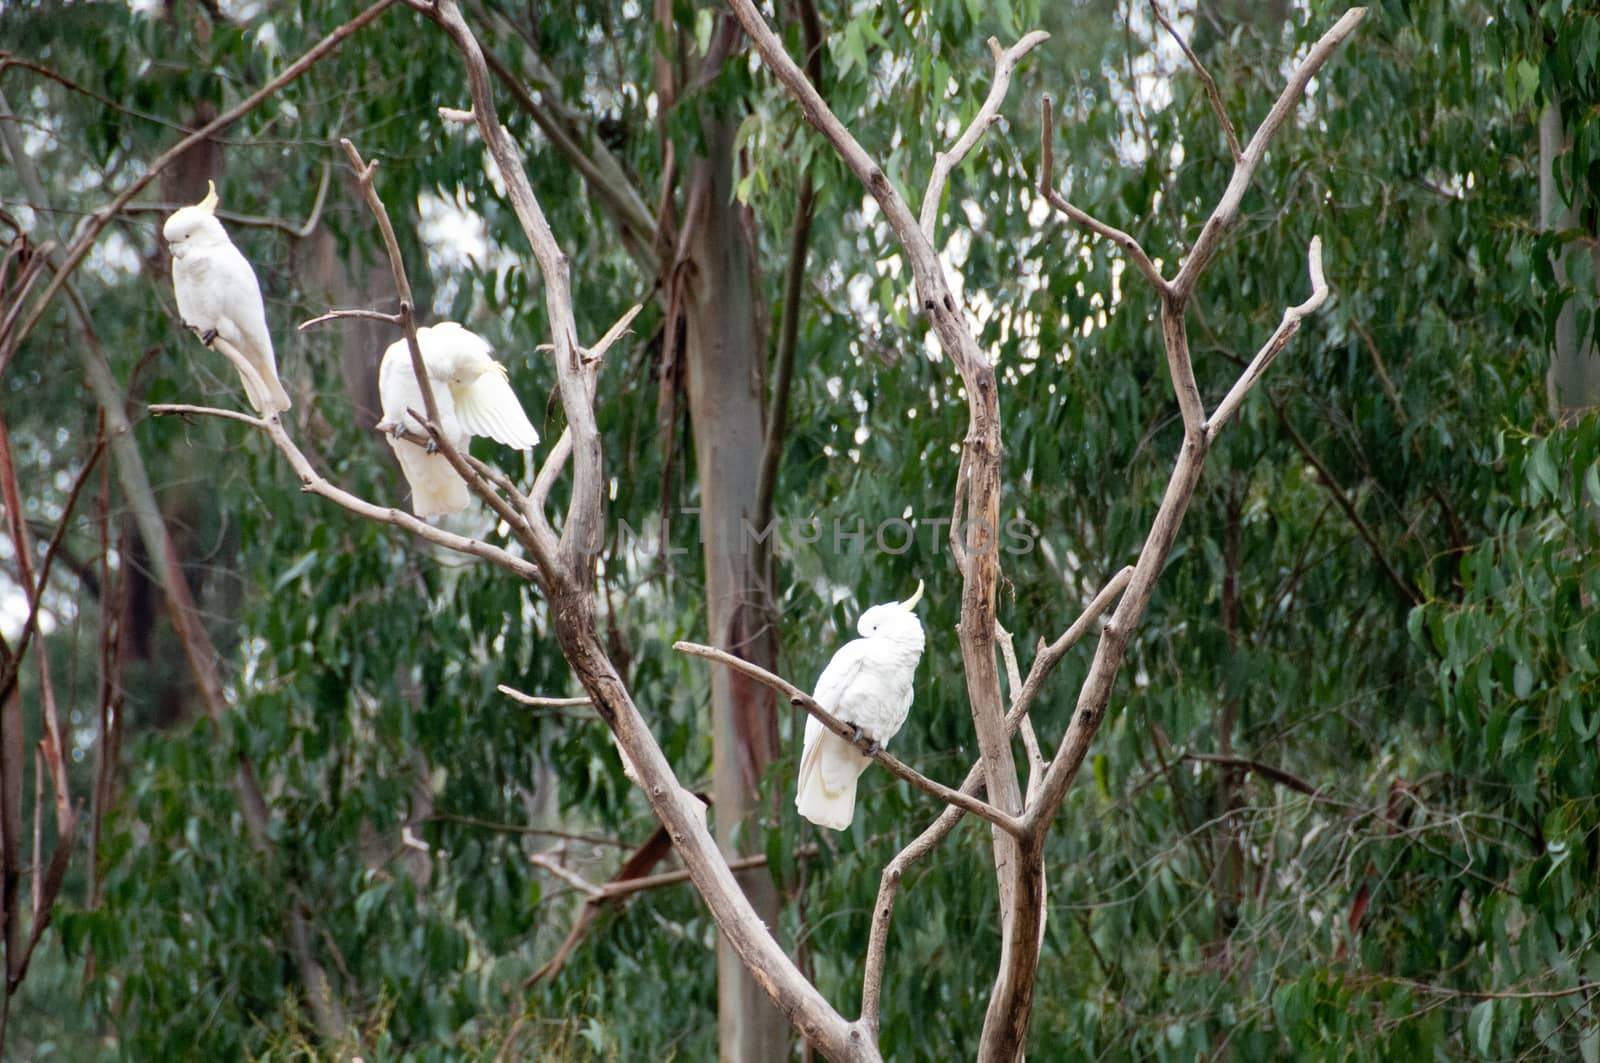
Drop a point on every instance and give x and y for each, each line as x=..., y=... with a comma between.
x=488, y=407
x=217, y=291
x=830, y=766
x=436, y=487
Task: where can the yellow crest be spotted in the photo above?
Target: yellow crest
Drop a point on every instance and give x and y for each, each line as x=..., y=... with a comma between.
x=208, y=204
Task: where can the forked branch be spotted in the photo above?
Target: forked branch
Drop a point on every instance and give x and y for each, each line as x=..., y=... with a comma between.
x=1005, y=62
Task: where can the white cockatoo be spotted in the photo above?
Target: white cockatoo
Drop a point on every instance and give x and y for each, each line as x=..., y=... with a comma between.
x=474, y=397
x=219, y=297
x=868, y=684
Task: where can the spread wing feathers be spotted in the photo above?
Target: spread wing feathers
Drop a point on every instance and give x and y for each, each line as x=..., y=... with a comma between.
x=488, y=407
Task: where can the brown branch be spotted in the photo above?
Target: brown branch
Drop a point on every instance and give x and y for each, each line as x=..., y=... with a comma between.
x=944, y=162
x=1266, y=771
x=889, y=885
x=860, y=742
x=1047, y=165
x=10, y=667
x=1275, y=344
x=1227, y=209
x=101, y=218
x=783, y=367
x=540, y=702
x=313, y=482
x=1205, y=79
x=33, y=590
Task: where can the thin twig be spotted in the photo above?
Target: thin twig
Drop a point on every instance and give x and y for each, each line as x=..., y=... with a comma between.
x=1047, y=165
x=542, y=702
x=1005, y=62
x=339, y=315
x=1205, y=78
x=313, y=482
x=1292, y=317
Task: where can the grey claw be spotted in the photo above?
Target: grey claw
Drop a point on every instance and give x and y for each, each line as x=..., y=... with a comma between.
x=208, y=336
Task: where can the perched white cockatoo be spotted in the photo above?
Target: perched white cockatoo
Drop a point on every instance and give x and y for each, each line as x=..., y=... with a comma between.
x=474, y=397
x=219, y=297
x=868, y=684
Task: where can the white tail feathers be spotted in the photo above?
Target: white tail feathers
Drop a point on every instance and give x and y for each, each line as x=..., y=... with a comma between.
x=436, y=487
x=829, y=768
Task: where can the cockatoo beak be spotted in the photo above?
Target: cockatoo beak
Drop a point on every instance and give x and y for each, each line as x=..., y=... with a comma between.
x=911, y=602
x=209, y=204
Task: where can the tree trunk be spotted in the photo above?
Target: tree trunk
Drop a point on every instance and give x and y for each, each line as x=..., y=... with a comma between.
x=723, y=345
x=1574, y=378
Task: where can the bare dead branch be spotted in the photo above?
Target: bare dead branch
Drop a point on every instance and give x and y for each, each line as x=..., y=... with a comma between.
x=863, y=745
x=1205, y=79
x=1047, y=165
x=571, y=592
x=526, y=524
x=1227, y=209
x=1292, y=317
x=1005, y=62
x=338, y=315
x=1021, y=700
x=313, y=482
x=542, y=702
x=580, y=533
x=1005, y=1025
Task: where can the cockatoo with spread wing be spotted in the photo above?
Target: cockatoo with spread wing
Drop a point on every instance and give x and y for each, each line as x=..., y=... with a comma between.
x=868, y=684
x=474, y=397
x=219, y=297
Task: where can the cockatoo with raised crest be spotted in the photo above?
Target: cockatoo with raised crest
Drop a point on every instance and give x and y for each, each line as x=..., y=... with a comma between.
x=474, y=398
x=868, y=684
x=219, y=297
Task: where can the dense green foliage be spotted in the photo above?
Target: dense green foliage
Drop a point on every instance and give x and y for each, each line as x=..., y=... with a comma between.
x=1385, y=592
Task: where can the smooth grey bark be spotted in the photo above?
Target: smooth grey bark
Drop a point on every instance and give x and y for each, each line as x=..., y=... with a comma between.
x=724, y=388
x=1574, y=377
